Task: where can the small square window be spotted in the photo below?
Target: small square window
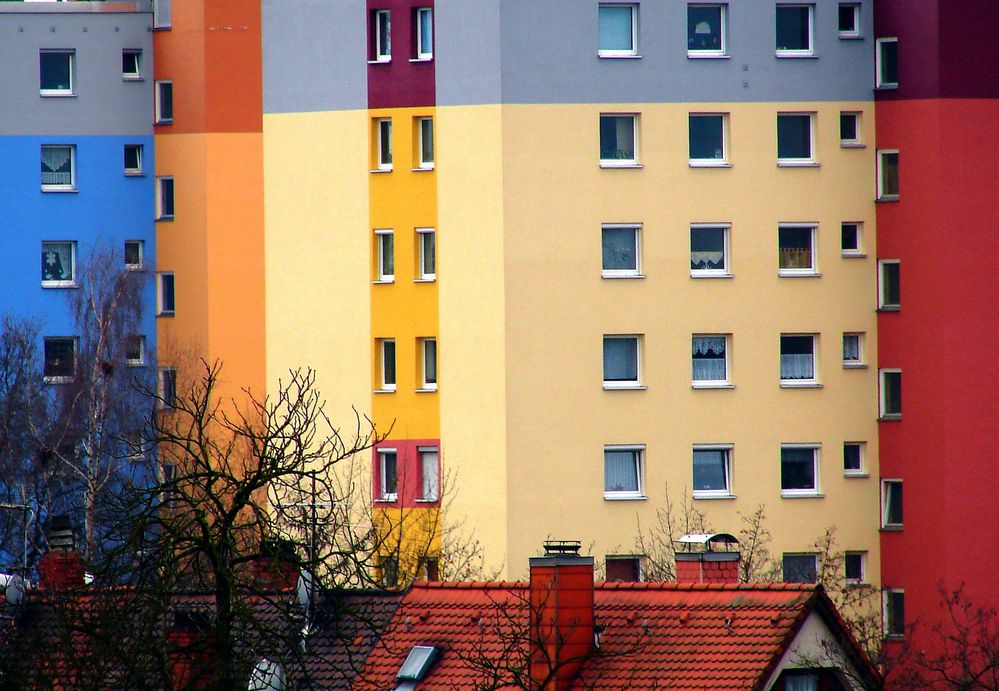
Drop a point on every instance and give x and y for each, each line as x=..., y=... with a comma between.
x=622, y=362
x=709, y=250
x=384, y=256
x=853, y=458
x=60, y=360
x=133, y=255
x=58, y=264
x=618, y=31
x=794, y=31
x=891, y=394
x=429, y=473
x=425, y=143
x=887, y=63
x=855, y=567
x=800, y=568
x=162, y=14
x=894, y=613
x=888, y=175
x=889, y=284
x=848, y=20
x=164, y=199
x=58, y=168
x=799, y=470
x=623, y=569
x=618, y=140
x=794, y=138
x=166, y=388
x=707, y=139
x=705, y=31
x=796, y=250
x=797, y=360
x=163, y=103
x=133, y=159
x=849, y=129
x=383, y=143
x=623, y=472
x=891, y=503
x=388, y=475
x=56, y=68
x=165, y=297
x=620, y=251
x=426, y=254
x=135, y=350
x=131, y=64
x=712, y=471
x=428, y=364
x=853, y=350
x=381, y=36
x=423, y=28
x=850, y=238
x=709, y=360
x=386, y=362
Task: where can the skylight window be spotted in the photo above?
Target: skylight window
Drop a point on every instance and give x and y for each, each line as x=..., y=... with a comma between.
x=418, y=663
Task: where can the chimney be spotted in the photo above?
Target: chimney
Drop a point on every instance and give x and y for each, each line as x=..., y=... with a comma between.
x=276, y=569
x=189, y=650
x=61, y=568
x=561, y=614
x=701, y=562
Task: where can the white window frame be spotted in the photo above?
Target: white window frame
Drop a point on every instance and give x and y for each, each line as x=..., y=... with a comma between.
x=712, y=383
x=385, y=385
x=861, y=361
x=140, y=154
x=62, y=379
x=638, y=451
x=858, y=141
x=636, y=272
x=425, y=162
x=722, y=162
x=803, y=383
x=424, y=452
x=726, y=493
x=815, y=490
x=883, y=411
x=383, y=454
x=162, y=14
x=614, y=53
x=141, y=251
x=632, y=162
x=71, y=91
x=862, y=457
x=163, y=374
x=863, y=567
x=857, y=251
x=798, y=162
x=161, y=214
x=886, y=507
x=815, y=565
x=158, y=117
x=886, y=596
x=625, y=384
x=383, y=144
x=62, y=187
x=384, y=246
x=63, y=283
x=725, y=271
x=141, y=360
x=883, y=304
x=797, y=52
x=884, y=196
x=132, y=76
x=380, y=18
x=856, y=32
x=878, y=59
x=426, y=385
x=162, y=309
x=711, y=53
x=422, y=235
x=812, y=270
x=418, y=15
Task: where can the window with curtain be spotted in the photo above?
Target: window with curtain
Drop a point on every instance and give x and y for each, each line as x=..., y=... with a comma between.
x=795, y=249
x=851, y=349
x=797, y=358
x=429, y=474
x=705, y=29
x=622, y=471
x=57, y=166
x=617, y=30
x=709, y=359
x=620, y=360
x=58, y=263
x=707, y=250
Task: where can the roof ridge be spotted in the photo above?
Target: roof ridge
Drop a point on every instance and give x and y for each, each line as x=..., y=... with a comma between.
x=707, y=587
x=468, y=585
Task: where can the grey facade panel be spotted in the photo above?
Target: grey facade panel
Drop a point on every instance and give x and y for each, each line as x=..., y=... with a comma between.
x=468, y=51
x=314, y=55
x=103, y=103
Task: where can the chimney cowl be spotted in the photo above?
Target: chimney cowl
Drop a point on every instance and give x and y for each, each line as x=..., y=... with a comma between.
x=60, y=535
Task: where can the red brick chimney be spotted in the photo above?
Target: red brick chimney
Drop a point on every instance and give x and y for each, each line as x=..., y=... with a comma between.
x=61, y=568
x=561, y=615
x=276, y=569
x=189, y=651
x=700, y=563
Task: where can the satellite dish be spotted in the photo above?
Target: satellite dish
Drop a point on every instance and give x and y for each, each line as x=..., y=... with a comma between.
x=14, y=592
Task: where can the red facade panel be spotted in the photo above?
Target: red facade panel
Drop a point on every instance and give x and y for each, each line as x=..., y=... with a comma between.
x=400, y=72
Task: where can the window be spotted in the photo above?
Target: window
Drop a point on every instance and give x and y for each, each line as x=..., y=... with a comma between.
x=623, y=472
x=618, y=31
x=55, y=68
x=707, y=140
x=58, y=264
x=388, y=475
x=888, y=176
x=133, y=255
x=164, y=199
x=166, y=387
x=620, y=250
x=853, y=350
x=855, y=567
x=799, y=466
x=135, y=350
x=709, y=360
x=796, y=250
x=800, y=680
x=390, y=571
x=428, y=569
x=58, y=168
x=800, y=568
x=429, y=473
x=797, y=359
x=794, y=138
x=623, y=568
x=162, y=14
x=891, y=394
x=131, y=64
x=428, y=364
x=133, y=159
x=426, y=254
x=425, y=141
x=853, y=458
x=381, y=36
x=794, y=31
x=385, y=248
x=163, y=103
x=849, y=129
x=709, y=250
x=849, y=20
x=618, y=140
x=705, y=31
x=887, y=63
x=423, y=24
x=894, y=613
x=621, y=362
x=386, y=354
x=60, y=360
x=165, y=300
x=383, y=137
x=850, y=234
x=712, y=471
x=889, y=284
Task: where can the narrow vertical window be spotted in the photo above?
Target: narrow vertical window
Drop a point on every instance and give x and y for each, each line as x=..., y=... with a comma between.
x=889, y=285
x=855, y=567
x=425, y=143
x=165, y=296
x=163, y=102
x=887, y=63
x=853, y=350
x=888, y=175
x=849, y=130
x=388, y=475
x=426, y=240
x=386, y=356
x=162, y=14
x=164, y=199
x=383, y=135
x=133, y=255
x=166, y=388
x=894, y=613
x=429, y=473
x=891, y=394
x=853, y=458
x=424, y=44
x=891, y=503
x=385, y=256
x=381, y=36
x=850, y=239
x=428, y=364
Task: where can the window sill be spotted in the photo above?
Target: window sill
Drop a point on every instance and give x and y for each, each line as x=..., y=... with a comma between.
x=891, y=529
x=133, y=78
x=698, y=55
x=425, y=390
x=887, y=198
x=424, y=280
x=624, y=497
x=380, y=170
x=59, y=284
x=426, y=501
x=852, y=145
x=708, y=164
x=618, y=276
x=856, y=474
x=785, y=55
x=708, y=385
x=385, y=500
x=787, y=494
x=383, y=391
x=380, y=61
x=698, y=274
x=851, y=37
x=797, y=164
x=166, y=314
x=800, y=385
x=890, y=308
x=624, y=387
x=59, y=190
x=695, y=495
x=613, y=56
x=135, y=363
x=57, y=380
x=886, y=87
x=798, y=273
x=629, y=164
x=383, y=281
x=134, y=267
x=422, y=169
x=134, y=174
x=57, y=94
x=427, y=59
x=163, y=122
x=854, y=365
x=890, y=418
x=854, y=255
